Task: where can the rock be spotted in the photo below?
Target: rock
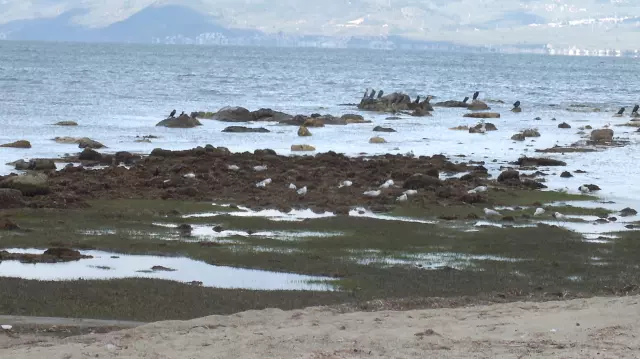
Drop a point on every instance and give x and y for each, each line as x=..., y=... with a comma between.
x=51, y=255
x=532, y=161
x=35, y=164
x=302, y=148
x=7, y=225
x=420, y=181
x=28, y=184
x=482, y=115
x=516, y=110
x=478, y=105
x=313, y=122
x=184, y=121
x=64, y=254
x=420, y=112
x=353, y=118
x=126, y=157
x=233, y=114
x=377, y=139
x=488, y=126
x=18, y=144
x=518, y=137
x=11, y=198
x=531, y=184
x=86, y=142
x=66, y=123
x=242, y=129
x=66, y=140
x=592, y=187
x=628, y=212
x=303, y=131
x=588, y=127
x=530, y=132
x=564, y=125
x=451, y=103
x=603, y=135
x=566, y=174
x=267, y=114
x=383, y=129
x=89, y=154
x=509, y=175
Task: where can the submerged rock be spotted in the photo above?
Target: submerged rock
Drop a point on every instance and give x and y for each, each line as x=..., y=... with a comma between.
x=628, y=212
x=533, y=161
x=66, y=123
x=564, y=125
x=383, y=129
x=183, y=121
x=377, y=139
x=18, y=144
x=297, y=148
x=482, y=115
x=242, y=129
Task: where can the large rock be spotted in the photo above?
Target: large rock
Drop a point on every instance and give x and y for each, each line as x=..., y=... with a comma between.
x=303, y=131
x=451, y=103
x=242, y=129
x=478, y=105
x=86, y=142
x=488, y=126
x=603, y=135
x=353, y=118
x=11, y=198
x=421, y=181
x=18, y=144
x=184, y=121
x=482, y=115
x=312, y=122
x=89, y=155
x=35, y=164
x=393, y=102
x=299, y=148
x=509, y=175
x=383, y=129
x=267, y=114
x=533, y=161
x=28, y=184
x=233, y=114
x=377, y=139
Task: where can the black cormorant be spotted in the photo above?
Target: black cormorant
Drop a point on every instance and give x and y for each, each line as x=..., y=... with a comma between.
x=173, y=113
x=465, y=99
x=475, y=95
x=516, y=104
x=621, y=111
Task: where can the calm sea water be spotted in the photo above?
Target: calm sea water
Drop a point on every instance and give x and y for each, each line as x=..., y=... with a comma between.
x=116, y=92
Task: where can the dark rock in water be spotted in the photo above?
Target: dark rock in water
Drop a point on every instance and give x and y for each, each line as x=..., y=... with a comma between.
x=18, y=144
x=537, y=119
x=183, y=121
x=126, y=157
x=89, y=143
x=11, y=198
x=532, y=161
x=383, y=129
x=242, y=129
x=301, y=120
x=566, y=174
x=163, y=269
x=509, y=175
x=393, y=118
x=592, y=187
x=314, y=115
x=628, y=212
x=531, y=184
x=89, y=155
x=564, y=125
x=478, y=105
x=393, y=102
x=451, y=103
x=488, y=126
x=218, y=229
x=265, y=152
x=233, y=114
x=482, y=115
x=51, y=255
x=420, y=181
x=518, y=137
x=612, y=219
x=35, y=164
x=603, y=135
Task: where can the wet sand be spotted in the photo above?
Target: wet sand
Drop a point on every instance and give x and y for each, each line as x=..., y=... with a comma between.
x=583, y=328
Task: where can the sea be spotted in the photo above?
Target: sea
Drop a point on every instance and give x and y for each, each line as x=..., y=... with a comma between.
x=116, y=92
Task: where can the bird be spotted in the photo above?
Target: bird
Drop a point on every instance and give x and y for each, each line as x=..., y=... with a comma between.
x=417, y=100
x=189, y=175
x=465, y=99
x=516, y=104
x=410, y=192
x=475, y=95
x=584, y=189
x=346, y=183
x=635, y=109
x=480, y=189
x=259, y=168
x=173, y=113
x=491, y=213
x=182, y=113
x=402, y=198
x=263, y=183
x=387, y=184
x=292, y=186
x=373, y=93
x=538, y=212
x=302, y=191
x=380, y=93
x=372, y=193
x=558, y=215
x=233, y=167
x=620, y=111
x=366, y=93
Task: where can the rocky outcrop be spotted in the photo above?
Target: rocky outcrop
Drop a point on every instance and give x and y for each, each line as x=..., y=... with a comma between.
x=603, y=135
x=320, y=121
x=483, y=127
x=28, y=184
x=377, y=139
x=303, y=131
x=509, y=175
x=301, y=148
x=82, y=142
x=421, y=181
x=478, y=105
x=35, y=164
x=383, y=129
x=482, y=115
x=66, y=123
x=89, y=155
x=534, y=161
x=564, y=125
x=525, y=134
x=451, y=103
x=394, y=102
x=183, y=121
x=18, y=144
x=242, y=129
x=241, y=114
x=11, y=198
x=51, y=255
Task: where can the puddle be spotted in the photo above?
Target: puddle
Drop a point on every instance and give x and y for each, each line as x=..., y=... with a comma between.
x=436, y=260
x=106, y=265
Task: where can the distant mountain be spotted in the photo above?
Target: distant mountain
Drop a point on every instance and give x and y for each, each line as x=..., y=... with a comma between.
x=524, y=23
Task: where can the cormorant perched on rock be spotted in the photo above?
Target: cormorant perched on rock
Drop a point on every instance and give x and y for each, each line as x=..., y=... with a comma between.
x=380, y=93
x=373, y=93
x=366, y=93
x=516, y=104
x=621, y=111
x=173, y=113
x=182, y=113
x=635, y=109
x=465, y=99
x=475, y=95
x=417, y=100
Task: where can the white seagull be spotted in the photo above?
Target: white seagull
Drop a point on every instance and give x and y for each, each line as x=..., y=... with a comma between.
x=259, y=168
x=233, y=167
x=410, y=192
x=539, y=212
x=372, y=193
x=346, y=183
x=189, y=175
x=402, y=198
x=584, y=189
x=292, y=186
x=491, y=213
x=263, y=183
x=302, y=191
x=387, y=184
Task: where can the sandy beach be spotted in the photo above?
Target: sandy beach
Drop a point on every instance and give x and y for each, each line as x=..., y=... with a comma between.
x=600, y=327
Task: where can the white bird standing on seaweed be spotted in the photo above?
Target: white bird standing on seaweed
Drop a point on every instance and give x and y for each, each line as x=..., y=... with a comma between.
x=346, y=183
x=292, y=186
x=539, y=212
x=387, y=184
x=372, y=193
x=402, y=198
x=302, y=191
x=491, y=213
